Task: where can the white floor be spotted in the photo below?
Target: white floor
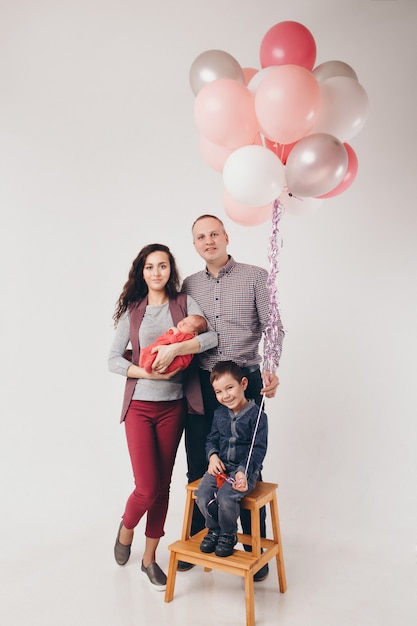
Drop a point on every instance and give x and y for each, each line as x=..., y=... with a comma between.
x=330, y=583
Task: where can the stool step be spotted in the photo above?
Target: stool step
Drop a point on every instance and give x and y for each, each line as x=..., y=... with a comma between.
x=238, y=563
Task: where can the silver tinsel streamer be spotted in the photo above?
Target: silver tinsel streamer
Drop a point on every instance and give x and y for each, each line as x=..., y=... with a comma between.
x=272, y=351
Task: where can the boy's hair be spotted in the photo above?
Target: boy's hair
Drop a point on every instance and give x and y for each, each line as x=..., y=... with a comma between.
x=226, y=367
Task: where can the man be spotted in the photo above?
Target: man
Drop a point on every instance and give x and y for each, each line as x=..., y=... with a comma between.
x=235, y=300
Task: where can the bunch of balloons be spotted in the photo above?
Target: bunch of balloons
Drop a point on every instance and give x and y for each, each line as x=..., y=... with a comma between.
x=279, y=132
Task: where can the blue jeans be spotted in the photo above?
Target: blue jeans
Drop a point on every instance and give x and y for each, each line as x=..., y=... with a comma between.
x=228, y=502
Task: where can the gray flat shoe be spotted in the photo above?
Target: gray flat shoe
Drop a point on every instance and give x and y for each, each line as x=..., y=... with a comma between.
x=121, y=552
x=155, y=575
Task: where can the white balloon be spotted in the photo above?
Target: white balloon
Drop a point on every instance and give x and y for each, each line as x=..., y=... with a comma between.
x=295, y=205
x=344, y=108
x=256, y=80
x=253, y=175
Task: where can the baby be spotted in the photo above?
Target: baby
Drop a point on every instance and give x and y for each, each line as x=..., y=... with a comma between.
x=187, y=328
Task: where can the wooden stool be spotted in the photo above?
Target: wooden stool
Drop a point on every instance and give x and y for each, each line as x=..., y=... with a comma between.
x=240, y=563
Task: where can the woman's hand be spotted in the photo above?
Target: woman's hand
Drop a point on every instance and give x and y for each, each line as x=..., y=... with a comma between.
x=164, y=357
x=166, y=354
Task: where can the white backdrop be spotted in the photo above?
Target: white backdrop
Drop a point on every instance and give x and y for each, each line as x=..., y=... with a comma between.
x=98, y=156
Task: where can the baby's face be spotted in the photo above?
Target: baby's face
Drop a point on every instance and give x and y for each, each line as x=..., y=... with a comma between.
x=186, y=326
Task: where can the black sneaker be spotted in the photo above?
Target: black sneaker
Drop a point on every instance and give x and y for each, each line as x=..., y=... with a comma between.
x=209, y=542
x=261, y=574
x=183, y=566
x=225, y=544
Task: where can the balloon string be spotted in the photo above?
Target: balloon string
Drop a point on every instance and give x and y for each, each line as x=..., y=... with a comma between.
x=272, y=350
x=254, y=434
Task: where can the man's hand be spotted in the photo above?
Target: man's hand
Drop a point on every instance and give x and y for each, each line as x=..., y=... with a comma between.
x=271, y=382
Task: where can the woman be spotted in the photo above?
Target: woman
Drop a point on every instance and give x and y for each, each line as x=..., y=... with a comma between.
x=154, y=407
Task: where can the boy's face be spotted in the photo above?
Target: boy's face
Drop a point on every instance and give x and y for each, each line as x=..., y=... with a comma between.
x=230, y=392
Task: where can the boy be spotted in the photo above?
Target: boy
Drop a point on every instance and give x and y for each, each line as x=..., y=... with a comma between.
x=230, y=452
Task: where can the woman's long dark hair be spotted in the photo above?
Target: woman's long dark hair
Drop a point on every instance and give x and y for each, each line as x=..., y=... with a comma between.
x=136, y=288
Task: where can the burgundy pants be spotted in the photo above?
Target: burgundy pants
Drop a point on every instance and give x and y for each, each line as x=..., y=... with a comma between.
x=153, y=432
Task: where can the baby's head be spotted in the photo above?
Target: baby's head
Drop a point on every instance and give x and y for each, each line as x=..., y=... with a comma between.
x=192, y=324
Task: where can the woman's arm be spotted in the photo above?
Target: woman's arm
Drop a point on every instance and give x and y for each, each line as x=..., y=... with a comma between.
x=116, y=361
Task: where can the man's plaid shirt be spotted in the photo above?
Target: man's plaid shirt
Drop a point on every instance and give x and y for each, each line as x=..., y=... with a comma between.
x=237, y=306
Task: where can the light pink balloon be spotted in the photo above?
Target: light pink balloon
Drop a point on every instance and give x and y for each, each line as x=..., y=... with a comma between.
x=245, y=215
x=350, y=175
x=214, y=154
x=287, y=103
x=224, y=113
x=344, y=108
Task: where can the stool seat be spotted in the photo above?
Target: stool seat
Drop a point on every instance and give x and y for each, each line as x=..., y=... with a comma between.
x=240, y=563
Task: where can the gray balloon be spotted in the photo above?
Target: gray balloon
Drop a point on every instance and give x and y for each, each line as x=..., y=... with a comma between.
x=211, y=65
x=328, y=69
x=316, y=165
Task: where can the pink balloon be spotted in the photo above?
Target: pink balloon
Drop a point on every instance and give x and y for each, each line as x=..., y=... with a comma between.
x=224, y=113
x=288, y=43
x=215, y=155
x=248, y=73
x=282, y=150
x=287, y=103
x=350, y=175
x=246, y=215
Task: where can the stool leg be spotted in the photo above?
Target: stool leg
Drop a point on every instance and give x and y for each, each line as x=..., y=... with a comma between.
x=250, y=601
x=277, y=538
x=188, y=515
x=172, y=573
x=255, y=530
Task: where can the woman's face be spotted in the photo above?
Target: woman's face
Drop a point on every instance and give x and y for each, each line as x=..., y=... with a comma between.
x=157, y=270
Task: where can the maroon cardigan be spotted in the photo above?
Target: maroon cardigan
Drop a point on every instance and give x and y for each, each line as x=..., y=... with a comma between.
x=191, y=382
